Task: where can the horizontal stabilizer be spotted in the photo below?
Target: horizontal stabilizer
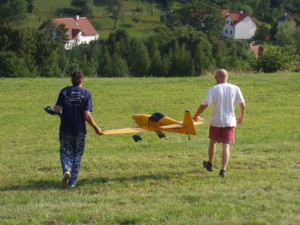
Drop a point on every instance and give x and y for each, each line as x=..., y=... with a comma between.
x=124, y=131
x=172, y=126
x=199, y=121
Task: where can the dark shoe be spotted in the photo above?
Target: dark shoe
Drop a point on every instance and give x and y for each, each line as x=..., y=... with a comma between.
x=222, y=173
x=65, y=180
x=208, y=166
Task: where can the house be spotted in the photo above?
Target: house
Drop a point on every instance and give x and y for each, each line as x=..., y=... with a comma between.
x=286, y=18
x=78, y=30
x=238, y=25
x=256, y=49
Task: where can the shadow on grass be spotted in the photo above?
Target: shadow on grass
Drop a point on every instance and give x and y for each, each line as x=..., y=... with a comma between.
x=33, y=185
x=126, y=25
x=55, y=184
x=133, y=179
x=66, y=12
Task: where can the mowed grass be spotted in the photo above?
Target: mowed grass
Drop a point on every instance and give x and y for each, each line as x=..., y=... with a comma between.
x=157, y=181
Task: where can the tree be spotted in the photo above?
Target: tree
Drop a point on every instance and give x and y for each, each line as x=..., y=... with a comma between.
x=156, y=68
x=138, y=59
x=21, y=41
x=114, y=7
x=202, y=57
x=198, y=15
x=117, y=42
x=181, y=62
x=46, y=55
x=12, y=11
x=218, y=51
x=85, y=7
x=198, y=45
x=286, y=34
x=168, y=3
x=120, y=67
x=262, y=31
x=105, y=67
x=62, y=32
x=30, y=5
x=12, y=66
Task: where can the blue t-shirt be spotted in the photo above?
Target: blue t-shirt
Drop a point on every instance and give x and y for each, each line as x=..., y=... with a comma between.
x=74, y=101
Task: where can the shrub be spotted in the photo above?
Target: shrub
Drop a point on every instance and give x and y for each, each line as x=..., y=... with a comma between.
x=274, y=59
x=12, y=66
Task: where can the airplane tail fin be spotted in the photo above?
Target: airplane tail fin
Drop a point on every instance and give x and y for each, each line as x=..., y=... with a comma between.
x=188, y=123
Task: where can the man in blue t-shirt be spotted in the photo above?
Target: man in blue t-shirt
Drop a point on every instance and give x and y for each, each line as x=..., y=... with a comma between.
x=75, y=104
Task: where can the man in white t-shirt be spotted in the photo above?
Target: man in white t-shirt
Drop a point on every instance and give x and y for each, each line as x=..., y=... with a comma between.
x=224, y=96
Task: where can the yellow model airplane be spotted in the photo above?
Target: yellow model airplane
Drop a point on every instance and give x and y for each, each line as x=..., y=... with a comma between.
x=159, y=123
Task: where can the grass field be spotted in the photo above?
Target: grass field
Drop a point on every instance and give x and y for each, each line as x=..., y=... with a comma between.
x=157, y=181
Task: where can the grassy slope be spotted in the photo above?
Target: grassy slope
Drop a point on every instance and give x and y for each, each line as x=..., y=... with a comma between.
x=156, y=181
x=102, y=22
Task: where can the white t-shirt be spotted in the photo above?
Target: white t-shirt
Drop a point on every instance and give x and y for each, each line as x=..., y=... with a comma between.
x=224, y=96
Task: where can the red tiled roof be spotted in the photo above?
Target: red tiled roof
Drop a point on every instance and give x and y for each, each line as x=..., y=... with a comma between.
x=236, y=16
x=75, y=26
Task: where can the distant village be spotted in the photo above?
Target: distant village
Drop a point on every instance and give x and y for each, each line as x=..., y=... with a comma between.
x=238, y=25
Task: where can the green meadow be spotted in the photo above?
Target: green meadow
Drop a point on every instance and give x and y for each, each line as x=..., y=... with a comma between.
x=139, y=25
x=156, y=181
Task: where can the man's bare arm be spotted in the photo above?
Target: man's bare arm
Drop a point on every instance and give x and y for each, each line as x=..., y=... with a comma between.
x=88, y=117
x=200, y=111
x=240, y=119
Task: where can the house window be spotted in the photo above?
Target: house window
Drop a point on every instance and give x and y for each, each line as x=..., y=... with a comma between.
x=226, y=31
x=231, y=32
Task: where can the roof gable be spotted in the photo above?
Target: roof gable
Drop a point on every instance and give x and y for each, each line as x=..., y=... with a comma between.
x=75, y=25
x=237, y=16
x=284, y=18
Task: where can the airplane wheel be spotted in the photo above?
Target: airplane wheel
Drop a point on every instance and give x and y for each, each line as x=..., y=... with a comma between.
x=160, y=134
x=136, y=138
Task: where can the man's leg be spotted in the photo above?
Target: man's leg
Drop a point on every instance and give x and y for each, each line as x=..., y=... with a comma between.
x=80, y=144
x=225, y=155
x=211, y=154
x=211, y=151
x=66, y=157
x=66, y=152
x=225, y=159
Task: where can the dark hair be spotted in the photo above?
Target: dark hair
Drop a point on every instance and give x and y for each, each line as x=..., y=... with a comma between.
x=76, y=76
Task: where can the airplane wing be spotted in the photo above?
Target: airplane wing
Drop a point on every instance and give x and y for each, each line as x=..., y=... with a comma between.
x=124, y=131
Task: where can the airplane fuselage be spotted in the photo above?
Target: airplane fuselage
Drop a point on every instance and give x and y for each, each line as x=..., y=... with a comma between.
x=144, y=121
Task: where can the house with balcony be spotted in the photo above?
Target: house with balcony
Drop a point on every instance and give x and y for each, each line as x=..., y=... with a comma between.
x=77, y=30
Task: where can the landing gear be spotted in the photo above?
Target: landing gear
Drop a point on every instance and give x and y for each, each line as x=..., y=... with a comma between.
x=160, y=134
x=137, y=138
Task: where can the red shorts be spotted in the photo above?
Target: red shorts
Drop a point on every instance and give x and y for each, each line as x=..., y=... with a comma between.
x=224, y=135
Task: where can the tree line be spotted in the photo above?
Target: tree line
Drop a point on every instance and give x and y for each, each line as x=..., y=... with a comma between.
x=181, y=51
x=188, y=45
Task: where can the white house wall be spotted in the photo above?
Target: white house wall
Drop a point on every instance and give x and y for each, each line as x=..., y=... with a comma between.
x=88, y=39
x=228, y=30
x=245, y=29
x=80, y=40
